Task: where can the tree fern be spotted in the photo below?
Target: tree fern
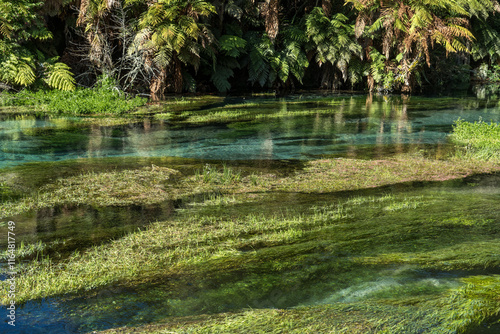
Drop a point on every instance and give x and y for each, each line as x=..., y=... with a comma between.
x=175, y=29
x=232, y=46
x=332, y=40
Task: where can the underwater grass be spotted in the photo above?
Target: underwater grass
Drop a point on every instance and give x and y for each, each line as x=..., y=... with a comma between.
x=208, y=245
x=229, y=229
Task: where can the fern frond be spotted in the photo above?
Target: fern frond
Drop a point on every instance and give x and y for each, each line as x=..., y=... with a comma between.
x=60, y=77
x=220, y=78
x=25, y=73
x=5, y=29
x=232, y=46
x=42, y=34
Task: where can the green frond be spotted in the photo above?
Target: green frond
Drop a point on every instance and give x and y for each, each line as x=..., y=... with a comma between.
x=164, y=56
x=460, y=31
x=232, y=46
x=258, y=69
x=459, y=46
x=41, y=34
x=220, y=78
x=25, y=73
x=377, y=25
x=60, y=77
x=5, y=29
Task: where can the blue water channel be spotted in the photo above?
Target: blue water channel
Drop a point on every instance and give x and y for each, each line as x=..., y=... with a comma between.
x=350, y=127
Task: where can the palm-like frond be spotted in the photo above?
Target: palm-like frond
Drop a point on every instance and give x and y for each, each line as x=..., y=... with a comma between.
x=232, y=46
x=60, y=77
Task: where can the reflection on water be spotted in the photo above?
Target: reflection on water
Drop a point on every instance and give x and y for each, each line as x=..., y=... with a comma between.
x=338, y=126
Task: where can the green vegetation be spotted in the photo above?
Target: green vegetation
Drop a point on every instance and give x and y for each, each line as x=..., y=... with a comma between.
x=480, y=140
x=26, y=58
x=101, y=100
x=324, y=249
x=173, y=46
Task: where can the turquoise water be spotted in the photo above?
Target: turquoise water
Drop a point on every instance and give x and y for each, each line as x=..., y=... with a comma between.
x=330, y=129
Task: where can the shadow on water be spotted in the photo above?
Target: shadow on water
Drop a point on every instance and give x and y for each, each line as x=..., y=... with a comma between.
x=58, y=231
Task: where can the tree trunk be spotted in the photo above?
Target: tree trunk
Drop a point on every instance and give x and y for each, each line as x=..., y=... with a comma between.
x=327, y=7
x=272, y=20
x=158, y=85
x=177, y=74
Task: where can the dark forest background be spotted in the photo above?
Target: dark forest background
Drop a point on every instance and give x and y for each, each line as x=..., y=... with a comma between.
x=156, y=47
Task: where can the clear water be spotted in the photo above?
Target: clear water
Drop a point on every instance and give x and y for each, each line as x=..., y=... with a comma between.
x=353, y=127
x=340, y=127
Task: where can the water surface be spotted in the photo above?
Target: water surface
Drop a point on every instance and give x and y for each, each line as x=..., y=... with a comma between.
x=348, y=126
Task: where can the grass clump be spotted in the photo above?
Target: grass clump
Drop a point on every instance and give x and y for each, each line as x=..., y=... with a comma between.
x=100, y=100
x=212, y=175
x=127, y=187
x=480, y=140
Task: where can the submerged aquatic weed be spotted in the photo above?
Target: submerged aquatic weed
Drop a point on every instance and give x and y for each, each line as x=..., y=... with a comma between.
x=407, y=203
x=474, y=303
x=331, y=238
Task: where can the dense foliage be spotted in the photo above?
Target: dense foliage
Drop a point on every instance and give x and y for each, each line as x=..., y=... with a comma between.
x=162, y=46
